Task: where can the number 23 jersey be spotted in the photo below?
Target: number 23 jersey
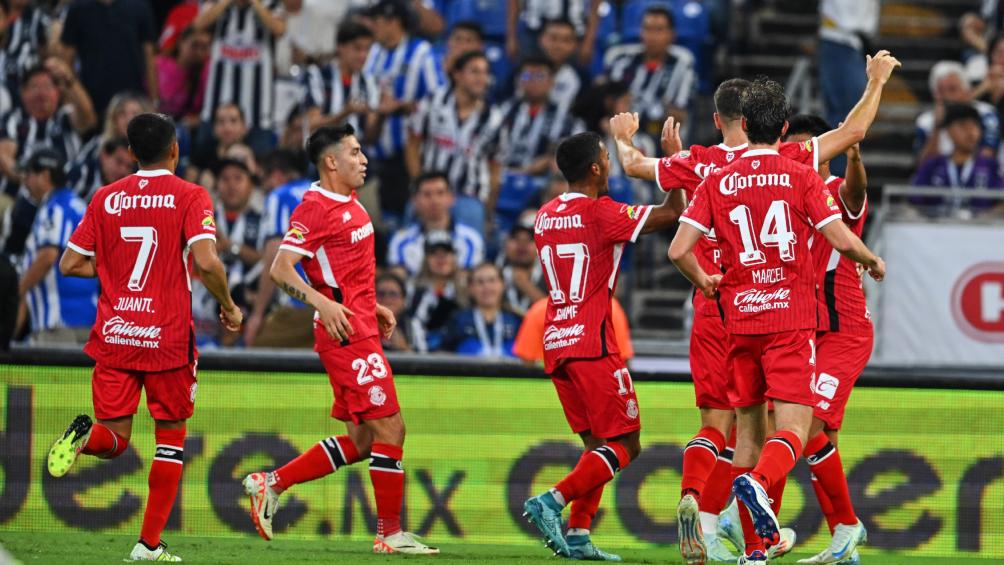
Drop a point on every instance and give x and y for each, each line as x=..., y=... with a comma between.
x=580, y=242
x=139, y=230
x=763, y=208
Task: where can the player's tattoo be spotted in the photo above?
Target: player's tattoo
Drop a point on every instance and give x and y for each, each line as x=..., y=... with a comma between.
x=293, y=291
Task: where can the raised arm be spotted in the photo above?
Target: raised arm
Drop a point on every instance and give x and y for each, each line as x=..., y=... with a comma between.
x=854, y=189
x=207, y=18
x=834, y=142
x=275, y=24
x=623, y=126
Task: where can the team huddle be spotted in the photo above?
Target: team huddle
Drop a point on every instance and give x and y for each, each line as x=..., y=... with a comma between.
x=770, y=240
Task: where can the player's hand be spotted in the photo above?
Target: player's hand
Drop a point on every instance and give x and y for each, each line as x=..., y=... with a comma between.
x=670, y=139
x=232, y=318
x=877, y=271
x=623, y=126
x=335, y=319
x=710, y=287
x=880, y=67
x=386, y=321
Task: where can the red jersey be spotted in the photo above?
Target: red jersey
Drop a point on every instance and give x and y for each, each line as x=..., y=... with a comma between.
x=335, y=234
x=580, y=242
x=687, y=169
x=764, y=208
x=139, y=230
x=841, y=296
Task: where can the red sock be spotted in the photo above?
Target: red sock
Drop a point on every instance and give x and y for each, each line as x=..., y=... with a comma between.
x=699, y=459
x=323, y=458
x=104, y=443
x=595, y=469
x=387, y=475
x=825, y=464
x=776, y=493
x=165, y=475
x=716, y=492
x=824, y=504
x=753, y=540
x=583, y=509
x=777, y=458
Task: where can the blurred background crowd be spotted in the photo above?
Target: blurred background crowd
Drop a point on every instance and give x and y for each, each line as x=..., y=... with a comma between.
x=459, y=104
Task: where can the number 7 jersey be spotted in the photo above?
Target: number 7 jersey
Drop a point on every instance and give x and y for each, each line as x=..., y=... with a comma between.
x=763, y=208
x=580, y=242
x=138, y=230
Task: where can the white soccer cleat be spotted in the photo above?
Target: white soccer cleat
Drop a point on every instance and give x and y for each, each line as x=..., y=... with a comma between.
x=729, y=526
x=717, y=551
x=783, y=547
x=688, y=524
x=405, y=543
x=264, y=502
x=141, y=552
x=843, y=546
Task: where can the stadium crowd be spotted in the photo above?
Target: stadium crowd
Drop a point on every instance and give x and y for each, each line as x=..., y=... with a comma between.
x=460, y=105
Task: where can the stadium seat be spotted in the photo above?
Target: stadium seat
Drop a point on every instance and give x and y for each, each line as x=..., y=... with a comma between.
x=515, y=194
x=490, y=14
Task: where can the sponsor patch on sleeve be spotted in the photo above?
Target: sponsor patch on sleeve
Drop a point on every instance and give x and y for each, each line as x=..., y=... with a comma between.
x=297, y=233
x=209, y=222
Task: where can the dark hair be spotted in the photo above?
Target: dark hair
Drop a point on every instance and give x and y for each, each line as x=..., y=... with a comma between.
x=559, y=22
x=806, y=123
x=114, y=144
x=326, y=136
x=471, y=26
x=46, y=159
x=394, y=279
x=230, y=105
x=151, y=137
x=290, y=161
x=427, y=176
x=658, y=10
x=765, y=109
x=577, y=153
x=228, y=162
x=350, y=31
x=728, y=97
x=35, y=71
x=959, y=113
x=462, y=61
x=536, y=61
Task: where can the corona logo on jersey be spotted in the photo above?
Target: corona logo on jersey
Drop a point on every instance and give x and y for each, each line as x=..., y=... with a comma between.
x=297, y=233
x=545, y=222
x=119, y=201
x=731, y=184
x=978, y=302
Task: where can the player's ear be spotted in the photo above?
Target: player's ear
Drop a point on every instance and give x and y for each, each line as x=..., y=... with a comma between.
x=742, y=122
x=718, y=120
x=784, y=129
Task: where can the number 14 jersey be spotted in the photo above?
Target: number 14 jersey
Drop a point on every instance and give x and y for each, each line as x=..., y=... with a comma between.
x=138, y=230
x=763, y=208
x=580, y=242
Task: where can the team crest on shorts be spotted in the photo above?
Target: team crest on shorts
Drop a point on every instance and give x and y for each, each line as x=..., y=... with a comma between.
x=632, y=409
x=191, y=392
x=377, y=395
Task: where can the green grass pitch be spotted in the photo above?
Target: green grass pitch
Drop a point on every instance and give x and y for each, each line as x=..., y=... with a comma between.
x=85, y=549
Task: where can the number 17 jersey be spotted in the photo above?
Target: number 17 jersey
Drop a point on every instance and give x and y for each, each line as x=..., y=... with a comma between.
x=580, y=242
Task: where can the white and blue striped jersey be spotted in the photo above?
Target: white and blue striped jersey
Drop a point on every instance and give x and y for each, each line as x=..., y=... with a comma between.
x=279, y=206
x=407, y=247
x=654, y=88
x=327, y=90
x=58, y=301
x=410, y=71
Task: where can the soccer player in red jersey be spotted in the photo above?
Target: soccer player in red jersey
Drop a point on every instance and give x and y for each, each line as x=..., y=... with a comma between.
x=844, y=342
x=708, y=456
x=331, y=233
x=137, y=236
x=580, y=239
x=764, y=208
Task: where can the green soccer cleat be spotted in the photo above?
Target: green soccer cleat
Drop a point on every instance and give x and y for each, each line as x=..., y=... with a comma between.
x=64, y=452
x=583, y=549
x=548, y=520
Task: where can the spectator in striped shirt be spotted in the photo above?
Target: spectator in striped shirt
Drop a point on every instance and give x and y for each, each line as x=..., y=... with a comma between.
x=24, y=31
x=340, y=91
x=438, y=291
x=110, y=164
x=406, y=71
x=558, y=44
x=433, y=200
x=60, y=309
x=241, y=63
x=56, y=111
x=527, y=19
x=454, y=130
x=660, y=75
x=533, y=124
x=464, y=37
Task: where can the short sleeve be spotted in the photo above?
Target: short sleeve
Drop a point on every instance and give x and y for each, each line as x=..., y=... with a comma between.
x=48, y=227
x=820, y=205
x=804, y=152
x=200, y=220
x=621, y=222
x=678, y=171
x=83, y=239
x=698, y=212
x=306, y=229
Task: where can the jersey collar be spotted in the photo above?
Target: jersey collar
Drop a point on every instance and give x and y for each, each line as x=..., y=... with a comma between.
x=759, y=152
x=316, y=187
x=724, y=147
x=831, y=179
x=153, y=173
x=566, y=196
